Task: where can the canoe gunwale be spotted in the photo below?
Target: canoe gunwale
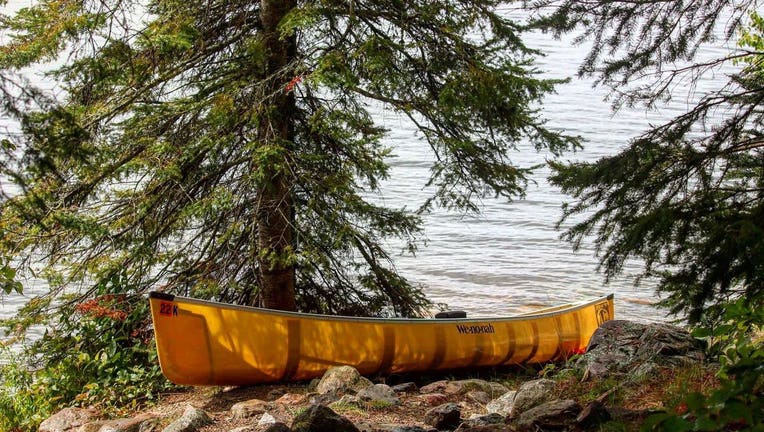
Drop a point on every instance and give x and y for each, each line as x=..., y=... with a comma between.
x=520, y=317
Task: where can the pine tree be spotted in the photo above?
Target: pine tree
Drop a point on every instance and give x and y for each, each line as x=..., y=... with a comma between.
x=225, y=149
x=687, y=196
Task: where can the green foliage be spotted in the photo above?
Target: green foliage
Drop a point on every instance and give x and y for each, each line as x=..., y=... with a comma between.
x=204, y=149
x=685, y=197
x=94, y=353
x=738, y=402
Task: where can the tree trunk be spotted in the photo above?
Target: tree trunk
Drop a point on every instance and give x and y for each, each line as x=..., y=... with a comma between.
x=274, y=214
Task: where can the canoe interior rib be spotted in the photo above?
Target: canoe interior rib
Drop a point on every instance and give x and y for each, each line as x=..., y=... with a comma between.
x=207, y=343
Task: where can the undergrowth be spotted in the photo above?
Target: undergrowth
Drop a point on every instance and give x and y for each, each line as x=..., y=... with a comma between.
x=97, y=352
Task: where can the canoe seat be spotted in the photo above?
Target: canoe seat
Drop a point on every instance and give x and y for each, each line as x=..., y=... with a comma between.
x=451, y=314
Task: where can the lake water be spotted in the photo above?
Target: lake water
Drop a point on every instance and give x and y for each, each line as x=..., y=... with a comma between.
x=510, y=258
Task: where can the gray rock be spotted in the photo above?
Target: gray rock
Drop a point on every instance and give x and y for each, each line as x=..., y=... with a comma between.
x=409, y=387
x=503, y=404
x=483, y=420
x=554, y=415
x=267, y=419
x=191, y=420
x=67, y=419
x=465, y=386
x=531, y=394
x=342, y=379
x=379, y=394
x=478, y=396
x=621, y=347
x=249, y=408
x=319, y=418
x=327, y=398
x=444, y=417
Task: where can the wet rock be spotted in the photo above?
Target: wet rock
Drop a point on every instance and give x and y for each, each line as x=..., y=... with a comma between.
x=550, y=416
x=67, y=419
x=342, y=379
x=623, y=347
x=409, y=387
x=319, y=418
x=444, y=417
x=531, y=394
x=380, y=394
x=191, y=420
x=503, y=404
x=250, y=408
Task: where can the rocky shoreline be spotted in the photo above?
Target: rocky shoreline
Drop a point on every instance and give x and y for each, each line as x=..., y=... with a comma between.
x=621, y=354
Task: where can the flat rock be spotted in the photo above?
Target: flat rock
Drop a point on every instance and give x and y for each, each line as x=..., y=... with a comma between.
x=67, y=419
x=553, y=415
x=291, y=399
x=379, y=394
x=249, y=408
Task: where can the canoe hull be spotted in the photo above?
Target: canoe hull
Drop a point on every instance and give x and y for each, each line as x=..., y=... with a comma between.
x=207, y=343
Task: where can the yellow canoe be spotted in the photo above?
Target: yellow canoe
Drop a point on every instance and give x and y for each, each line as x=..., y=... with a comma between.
x=207, y=343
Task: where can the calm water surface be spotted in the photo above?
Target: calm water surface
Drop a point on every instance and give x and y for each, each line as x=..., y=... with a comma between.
x=510, y=258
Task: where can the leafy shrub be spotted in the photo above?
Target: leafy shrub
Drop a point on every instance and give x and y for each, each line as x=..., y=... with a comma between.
x=95, y=352
x=738, y=402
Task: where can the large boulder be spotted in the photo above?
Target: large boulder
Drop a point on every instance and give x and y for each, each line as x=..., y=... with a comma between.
x=623, y=347
x=341, y=379
x=319, y=418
